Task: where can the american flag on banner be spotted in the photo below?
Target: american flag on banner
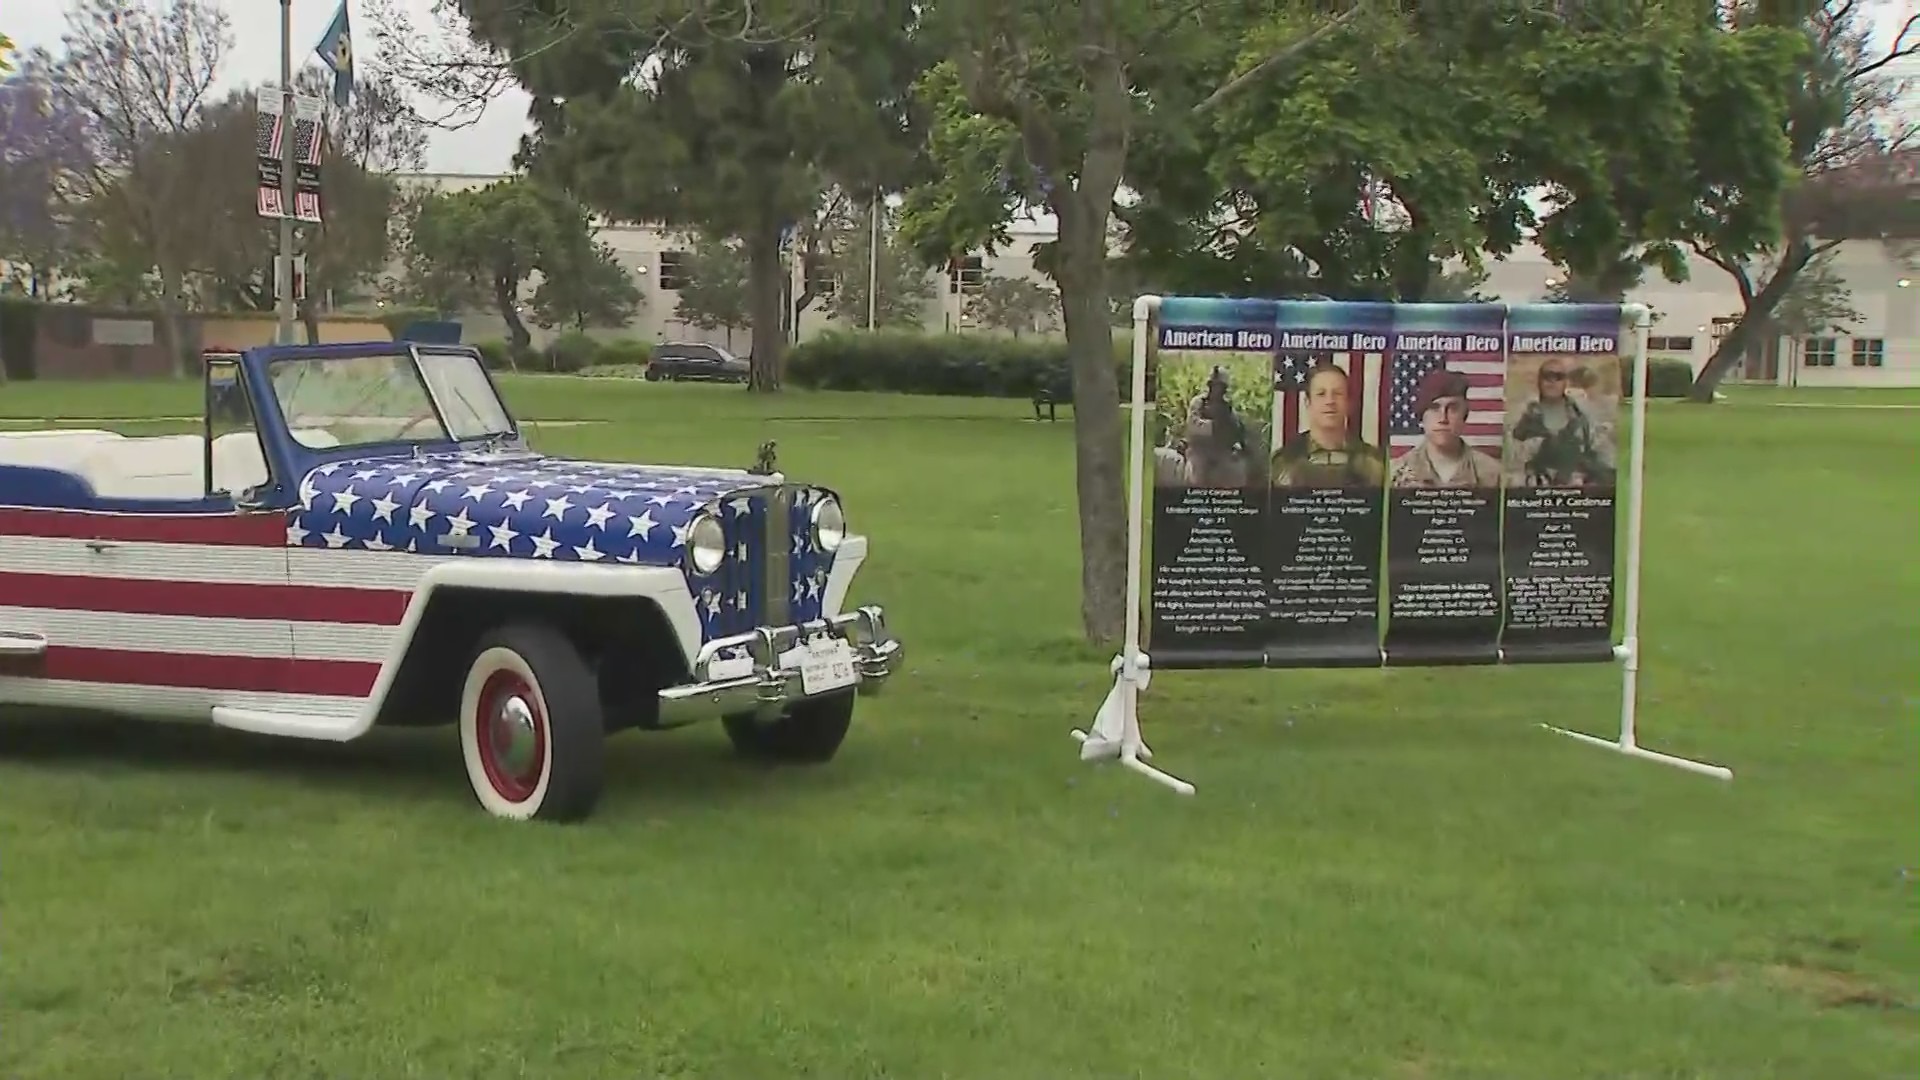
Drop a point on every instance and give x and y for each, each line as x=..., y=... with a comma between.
x=1486, y=399
x=266, y=134
x=1366, y=417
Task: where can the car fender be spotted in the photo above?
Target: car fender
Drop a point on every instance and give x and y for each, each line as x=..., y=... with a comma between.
x=665, y=586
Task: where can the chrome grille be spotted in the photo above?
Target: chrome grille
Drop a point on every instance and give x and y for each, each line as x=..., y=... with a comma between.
x=776, y=547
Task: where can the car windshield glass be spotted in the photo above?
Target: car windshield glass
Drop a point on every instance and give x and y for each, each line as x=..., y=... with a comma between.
x=353, y=400
x=357, y=400
x=465, y=394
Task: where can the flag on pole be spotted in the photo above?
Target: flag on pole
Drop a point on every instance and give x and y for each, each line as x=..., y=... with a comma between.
x=336, y=51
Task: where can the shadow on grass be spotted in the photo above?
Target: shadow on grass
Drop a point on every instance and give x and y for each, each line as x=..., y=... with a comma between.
x=644, y=770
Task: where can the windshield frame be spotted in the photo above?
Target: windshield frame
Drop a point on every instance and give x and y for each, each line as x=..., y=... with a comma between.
x=409, y=355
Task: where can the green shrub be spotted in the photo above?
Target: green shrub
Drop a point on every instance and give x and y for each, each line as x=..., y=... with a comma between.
x=624, y=352
x=966, y=365
x=493, y=353
x=1667, y=377
x=19, y=330
x=572, y=351
x=613, y=371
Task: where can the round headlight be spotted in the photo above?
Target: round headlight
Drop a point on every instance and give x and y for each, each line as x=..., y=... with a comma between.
x=707, y=542
x=829, y=524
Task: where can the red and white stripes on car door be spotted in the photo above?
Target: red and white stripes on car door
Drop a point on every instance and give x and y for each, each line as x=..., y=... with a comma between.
x=174, y=614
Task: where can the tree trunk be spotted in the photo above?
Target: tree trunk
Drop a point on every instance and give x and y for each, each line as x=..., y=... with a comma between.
x=170, y=315
x=764, y=289
x=519, y=340
x=1757, y=316
x=1098, y=436
x=309, y=321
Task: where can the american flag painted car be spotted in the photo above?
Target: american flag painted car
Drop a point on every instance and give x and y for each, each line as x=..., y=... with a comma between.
x=359, y=536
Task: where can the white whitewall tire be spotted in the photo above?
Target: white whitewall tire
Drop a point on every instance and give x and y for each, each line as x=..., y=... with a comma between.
x=531, y=731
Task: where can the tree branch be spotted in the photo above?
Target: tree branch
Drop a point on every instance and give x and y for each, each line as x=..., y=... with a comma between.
x=1253, y=74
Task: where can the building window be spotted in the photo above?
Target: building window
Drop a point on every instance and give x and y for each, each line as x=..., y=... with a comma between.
x=1670, y=344
x=966, y=275
x=673, y=270
x=1868, y=351
x=1820, y=351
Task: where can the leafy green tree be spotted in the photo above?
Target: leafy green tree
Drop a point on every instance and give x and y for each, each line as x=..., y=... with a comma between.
x=1017, y=305
x=746, y=114
x=1819, y=301
x=904, y=285
x=714, y=289
x=585, y=286
x=1852, y=165
x=1041, y=104
x=491, y=240
x=1350, y=150
x=233, y=248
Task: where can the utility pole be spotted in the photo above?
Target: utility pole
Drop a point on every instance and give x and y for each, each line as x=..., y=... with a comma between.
x=283, y=262
x=873, y=258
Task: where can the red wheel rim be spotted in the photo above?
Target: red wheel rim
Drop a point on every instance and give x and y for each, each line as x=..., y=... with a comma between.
x=511, y=732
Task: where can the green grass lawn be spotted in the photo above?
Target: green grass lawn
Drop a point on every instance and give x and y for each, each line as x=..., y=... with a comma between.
x=1383, y=874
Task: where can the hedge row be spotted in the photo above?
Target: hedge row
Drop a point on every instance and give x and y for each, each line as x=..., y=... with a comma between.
x=906, y=362
x=19, y=330
x=569, y=353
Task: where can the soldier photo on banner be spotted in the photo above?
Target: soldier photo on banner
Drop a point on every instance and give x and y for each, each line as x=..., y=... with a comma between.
x=1563, y=429
x=1564, y=364
x=1440, y=402
x=1446, y=407
x=1211, y=415
x=1322, y=421
x=1328, y=475
x=1212, y=378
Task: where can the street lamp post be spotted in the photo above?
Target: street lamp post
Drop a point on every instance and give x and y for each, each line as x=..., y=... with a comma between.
x=283, y=261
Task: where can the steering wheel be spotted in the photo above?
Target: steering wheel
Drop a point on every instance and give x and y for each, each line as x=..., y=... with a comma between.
x=411, y=424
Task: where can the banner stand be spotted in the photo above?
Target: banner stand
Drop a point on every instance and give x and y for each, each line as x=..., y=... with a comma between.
x=1628, y=651
x=1115, y=732
x=1116, y=727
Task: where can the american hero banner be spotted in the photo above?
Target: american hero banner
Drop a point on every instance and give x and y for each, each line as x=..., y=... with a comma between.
x=1343, y=484
x=1564, y=368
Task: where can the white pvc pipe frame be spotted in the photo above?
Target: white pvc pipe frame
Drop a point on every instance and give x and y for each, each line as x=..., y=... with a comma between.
x=1133, y=662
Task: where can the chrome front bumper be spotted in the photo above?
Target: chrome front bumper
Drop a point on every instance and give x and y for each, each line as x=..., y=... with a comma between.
x=759, y=672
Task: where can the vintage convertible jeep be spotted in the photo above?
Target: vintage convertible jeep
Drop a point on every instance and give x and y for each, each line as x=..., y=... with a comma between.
x=360, y=536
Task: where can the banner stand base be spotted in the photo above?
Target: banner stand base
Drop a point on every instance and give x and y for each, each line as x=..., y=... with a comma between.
x=1630, y=749
x=1116, y=727
x=1628, y=653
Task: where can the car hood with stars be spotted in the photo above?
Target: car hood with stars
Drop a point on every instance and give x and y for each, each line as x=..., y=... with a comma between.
x=523, y=506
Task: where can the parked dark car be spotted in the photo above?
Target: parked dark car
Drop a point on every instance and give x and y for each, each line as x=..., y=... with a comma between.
x=675, y=360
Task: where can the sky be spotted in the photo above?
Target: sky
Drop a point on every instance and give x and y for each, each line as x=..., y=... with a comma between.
x=486, y=146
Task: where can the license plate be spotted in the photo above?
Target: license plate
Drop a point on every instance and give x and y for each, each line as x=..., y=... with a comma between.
x=825, y=664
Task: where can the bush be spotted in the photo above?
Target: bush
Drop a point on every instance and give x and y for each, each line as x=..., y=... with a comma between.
x=1667, y=377
x=624, y=352
x=493, y=353
x=571, y=352
x=19, y=330
x=613, y=371
x=967, y=365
